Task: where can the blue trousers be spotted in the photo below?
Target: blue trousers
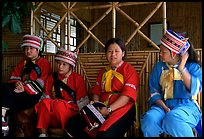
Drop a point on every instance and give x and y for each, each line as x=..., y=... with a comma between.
x=177, y=123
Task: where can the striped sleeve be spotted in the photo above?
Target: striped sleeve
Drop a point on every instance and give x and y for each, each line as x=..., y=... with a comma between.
x=34, y=87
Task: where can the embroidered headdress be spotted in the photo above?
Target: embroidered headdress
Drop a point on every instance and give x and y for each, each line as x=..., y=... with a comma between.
x=33, y=41
x=66, y=56
x=175, y=42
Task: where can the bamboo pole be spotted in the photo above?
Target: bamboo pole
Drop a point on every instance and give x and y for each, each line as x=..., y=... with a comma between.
x=71, y=7
x=133, y=3
x=146, y=19
x=81, y=23
x=164, y=18
x=100, y=19
x=38, y=6
x=64, y=5
x=113, y=21
x=139, y=32
x=31, y=21
x=106, y=6
x=68, y=28
x=92, y=7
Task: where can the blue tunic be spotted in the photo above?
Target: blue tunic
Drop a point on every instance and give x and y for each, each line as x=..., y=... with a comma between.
x=185, y=113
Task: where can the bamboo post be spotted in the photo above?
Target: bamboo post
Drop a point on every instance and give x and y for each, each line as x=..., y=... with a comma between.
x=68, y=28
x=164, y=18
x=146, y=19
x=113, y=21
x=32, y=20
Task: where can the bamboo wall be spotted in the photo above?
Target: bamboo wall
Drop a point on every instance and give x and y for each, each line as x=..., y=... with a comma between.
x=181, y=16
x=89, y=65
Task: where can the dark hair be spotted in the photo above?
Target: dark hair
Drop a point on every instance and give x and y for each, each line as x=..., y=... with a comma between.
x=193, y=56
x=119, y=42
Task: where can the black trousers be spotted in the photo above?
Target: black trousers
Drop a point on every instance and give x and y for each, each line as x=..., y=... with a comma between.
x=16, y=101
x=119, y=128
x=76, y=125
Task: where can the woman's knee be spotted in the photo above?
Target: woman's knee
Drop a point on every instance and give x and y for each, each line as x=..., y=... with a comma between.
x=172, y=120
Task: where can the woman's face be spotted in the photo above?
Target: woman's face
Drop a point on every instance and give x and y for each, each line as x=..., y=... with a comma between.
x=62, y=67
x=165, y=55
x=31, y=52
x=114, y=54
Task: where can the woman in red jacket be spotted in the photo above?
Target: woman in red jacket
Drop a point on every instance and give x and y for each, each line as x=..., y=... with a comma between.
x=116, y=86
x=27, y=80
x=65, y=94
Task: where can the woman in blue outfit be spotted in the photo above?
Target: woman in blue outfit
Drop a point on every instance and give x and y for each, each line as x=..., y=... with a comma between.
x=174, y=84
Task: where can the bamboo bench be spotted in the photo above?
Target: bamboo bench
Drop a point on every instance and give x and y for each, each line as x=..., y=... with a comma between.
x=89, y=65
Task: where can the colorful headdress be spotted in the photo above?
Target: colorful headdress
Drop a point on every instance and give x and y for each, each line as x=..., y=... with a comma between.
x=33, y=41
x=175, y=42
x=66, y=56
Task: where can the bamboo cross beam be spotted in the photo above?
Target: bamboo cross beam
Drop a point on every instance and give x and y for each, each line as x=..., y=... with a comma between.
x=99, y=20
x=110, y=5
x=71, y=7
x=64, y=5
x=92, y=7
x=58, y=23
x=133, y=3
x=46, y=31
x=136, y=24
x=38, y=6
x=81, y=23
x=146, y=19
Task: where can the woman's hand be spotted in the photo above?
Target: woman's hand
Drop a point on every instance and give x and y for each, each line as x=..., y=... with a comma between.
x=183, y=58
x=104, y=111
x=19, y=87
x=92, y=101
x=167, y=109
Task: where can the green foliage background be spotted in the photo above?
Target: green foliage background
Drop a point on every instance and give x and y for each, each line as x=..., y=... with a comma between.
x=13, y=14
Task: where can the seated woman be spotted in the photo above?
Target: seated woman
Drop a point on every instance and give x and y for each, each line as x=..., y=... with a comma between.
x=27, y=80
x=174, y=83
x=65, y=94
x=116, y=87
